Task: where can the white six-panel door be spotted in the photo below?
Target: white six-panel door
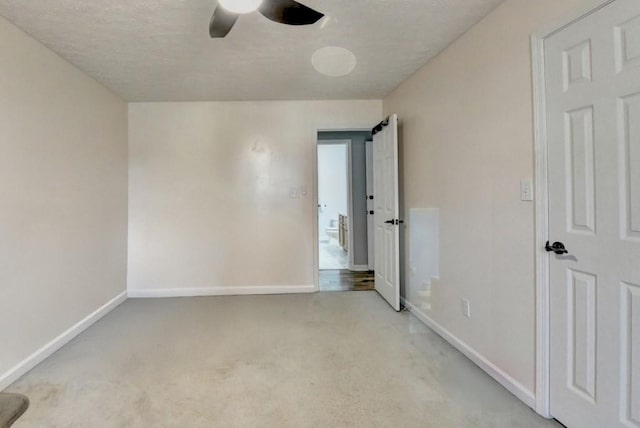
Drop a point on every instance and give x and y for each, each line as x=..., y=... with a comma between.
x=386, y=216
x=593, y=121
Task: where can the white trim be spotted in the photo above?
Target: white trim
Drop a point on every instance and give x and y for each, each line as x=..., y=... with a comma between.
x=47, y=350
x=368, y=145
x=341, y=130
x=360, y=268
x=351, y=252
x=512, y=385
x=220, y=291
x=315, y=215
x=590, y=7
x=542, y=260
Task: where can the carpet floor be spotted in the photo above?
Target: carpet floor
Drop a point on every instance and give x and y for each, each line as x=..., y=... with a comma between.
x=318, y=360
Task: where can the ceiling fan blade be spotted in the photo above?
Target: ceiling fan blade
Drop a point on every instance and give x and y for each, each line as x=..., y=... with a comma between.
x=221, y=22
x=289, y=12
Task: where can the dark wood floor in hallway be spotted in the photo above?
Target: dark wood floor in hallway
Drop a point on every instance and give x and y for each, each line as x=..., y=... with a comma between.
x=344, y=280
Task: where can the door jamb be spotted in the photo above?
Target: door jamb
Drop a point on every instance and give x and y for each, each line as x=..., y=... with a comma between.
x=542, y=259
x=368, y=152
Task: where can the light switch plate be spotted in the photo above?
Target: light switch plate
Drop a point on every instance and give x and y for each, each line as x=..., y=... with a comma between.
x=526, y=190
x=294, y=192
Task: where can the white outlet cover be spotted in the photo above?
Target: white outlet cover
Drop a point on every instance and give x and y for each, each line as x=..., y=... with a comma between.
x=466, y=308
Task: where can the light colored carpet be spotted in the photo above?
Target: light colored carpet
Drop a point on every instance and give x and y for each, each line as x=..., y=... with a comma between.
x=321, y=360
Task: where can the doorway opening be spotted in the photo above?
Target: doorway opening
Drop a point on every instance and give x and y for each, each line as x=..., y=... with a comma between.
x=333, y=205
x=343, y=211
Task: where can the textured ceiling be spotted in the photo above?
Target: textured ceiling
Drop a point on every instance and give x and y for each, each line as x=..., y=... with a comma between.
x=160, y=50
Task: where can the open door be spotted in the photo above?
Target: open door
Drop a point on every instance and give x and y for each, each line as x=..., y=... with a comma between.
x=387, y=211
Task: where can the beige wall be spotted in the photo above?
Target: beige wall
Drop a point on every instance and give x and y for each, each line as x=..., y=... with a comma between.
x=209, y=193
x=63, y=184
x=467, y=140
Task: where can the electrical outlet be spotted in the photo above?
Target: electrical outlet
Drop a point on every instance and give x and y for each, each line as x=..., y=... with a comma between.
x=466, y=308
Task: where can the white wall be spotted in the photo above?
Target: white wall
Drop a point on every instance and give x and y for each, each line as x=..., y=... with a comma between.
x=466, y=141
x=63, y=189
x=209, y=193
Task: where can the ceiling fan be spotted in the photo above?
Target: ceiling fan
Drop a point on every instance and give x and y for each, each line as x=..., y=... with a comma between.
x=288, y=12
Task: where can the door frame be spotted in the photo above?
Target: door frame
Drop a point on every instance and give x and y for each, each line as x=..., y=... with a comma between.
x=542, y=258
x=347, y=144
x=368, y=154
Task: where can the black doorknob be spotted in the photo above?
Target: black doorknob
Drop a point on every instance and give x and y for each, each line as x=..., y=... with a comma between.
x=557, y=247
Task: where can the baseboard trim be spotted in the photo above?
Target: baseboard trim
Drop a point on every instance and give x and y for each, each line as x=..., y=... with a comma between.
x=360, y=268
x=47, y=350
x=512, y=385
x=219, y=291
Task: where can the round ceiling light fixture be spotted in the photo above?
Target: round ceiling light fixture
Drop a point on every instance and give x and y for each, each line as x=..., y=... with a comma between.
x=240, y=6
x=334, y=61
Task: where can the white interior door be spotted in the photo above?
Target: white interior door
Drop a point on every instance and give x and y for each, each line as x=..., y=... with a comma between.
x=387, y=211
x=593, y=121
